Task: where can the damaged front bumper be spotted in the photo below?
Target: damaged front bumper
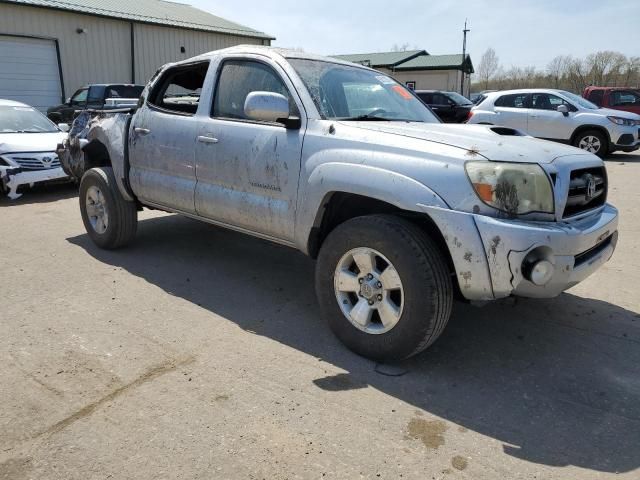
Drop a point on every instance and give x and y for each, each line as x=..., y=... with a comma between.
x=493, y=257
x=13, y=177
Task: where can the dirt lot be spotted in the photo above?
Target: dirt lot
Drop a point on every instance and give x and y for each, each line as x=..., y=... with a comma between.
x=199, y=353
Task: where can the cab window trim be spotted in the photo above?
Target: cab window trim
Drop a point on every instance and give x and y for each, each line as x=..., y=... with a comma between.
x=248, y=120
x=159, y=76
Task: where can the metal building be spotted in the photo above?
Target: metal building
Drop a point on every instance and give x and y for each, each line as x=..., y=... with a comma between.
x=50, y=48
x=420, y=70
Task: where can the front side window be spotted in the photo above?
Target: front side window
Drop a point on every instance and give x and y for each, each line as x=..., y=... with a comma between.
x=546, y=101
x=344, y=92
x=514, y=100
x=620, y=98
x=238, y=78
x=19, y=119
x=79, y=97
x=178, y=89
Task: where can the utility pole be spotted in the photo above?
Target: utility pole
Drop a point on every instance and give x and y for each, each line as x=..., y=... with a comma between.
x=464, y=54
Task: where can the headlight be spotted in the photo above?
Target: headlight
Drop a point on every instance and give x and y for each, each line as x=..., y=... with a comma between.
x=514, y=188
x=624, y=121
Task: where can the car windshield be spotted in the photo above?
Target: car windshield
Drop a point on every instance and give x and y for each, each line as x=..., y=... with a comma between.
x=583, y=102
x=343, y=92
x=459, y=99
x=18, y=119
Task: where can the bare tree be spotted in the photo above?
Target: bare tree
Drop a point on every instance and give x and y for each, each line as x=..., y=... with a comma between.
x=603, y=67
x=557, y=68
x=488, y=66
x=400, y=48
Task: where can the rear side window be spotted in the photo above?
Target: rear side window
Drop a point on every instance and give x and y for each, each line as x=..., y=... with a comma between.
x=426, y=97
x=178, y=89
x=238, y=78
x=440, y=99
x=514, y=100
x=596, y=96
x=124, y=91
x=621, y=98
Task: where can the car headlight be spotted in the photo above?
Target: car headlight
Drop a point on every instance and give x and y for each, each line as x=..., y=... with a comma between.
x=514, y=188
x=624, y=121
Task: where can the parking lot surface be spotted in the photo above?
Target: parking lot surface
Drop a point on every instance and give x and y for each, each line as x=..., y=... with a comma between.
x=199, y=353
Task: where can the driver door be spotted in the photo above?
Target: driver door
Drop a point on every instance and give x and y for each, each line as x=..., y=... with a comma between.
x=545, y=121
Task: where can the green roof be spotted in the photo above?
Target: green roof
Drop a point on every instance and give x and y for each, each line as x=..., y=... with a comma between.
x=436, y=62
x=381, y=59
x=157, y=12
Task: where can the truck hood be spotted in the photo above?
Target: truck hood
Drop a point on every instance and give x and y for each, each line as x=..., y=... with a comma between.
x=30, y=142
x=493, y=143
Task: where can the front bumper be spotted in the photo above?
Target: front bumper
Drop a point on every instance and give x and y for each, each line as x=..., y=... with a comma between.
x=625, y=138
x=12, y=177
x=488, y=253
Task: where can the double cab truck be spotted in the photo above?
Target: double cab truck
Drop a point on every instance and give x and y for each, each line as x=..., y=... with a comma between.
x=616, y=98
x=401, y=212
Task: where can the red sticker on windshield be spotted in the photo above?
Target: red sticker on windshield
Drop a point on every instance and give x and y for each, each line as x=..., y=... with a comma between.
x=400, y=90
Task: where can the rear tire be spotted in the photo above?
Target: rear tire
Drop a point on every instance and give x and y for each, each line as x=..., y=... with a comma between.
x=418, y=292
x=110, y=220
x=592, y=141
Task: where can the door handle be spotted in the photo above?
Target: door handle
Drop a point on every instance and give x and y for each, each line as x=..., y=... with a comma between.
x=205, y=139
x=141, y=131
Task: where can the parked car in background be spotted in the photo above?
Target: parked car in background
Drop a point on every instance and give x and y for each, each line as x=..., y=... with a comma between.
x=561, y=116
x=451, y=107
x=345, y=164
x=28, y=142
x=617, y=98
x=476, y=98
x=99, y=96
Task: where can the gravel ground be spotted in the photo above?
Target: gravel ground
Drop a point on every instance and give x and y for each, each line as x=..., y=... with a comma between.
x=199, y=353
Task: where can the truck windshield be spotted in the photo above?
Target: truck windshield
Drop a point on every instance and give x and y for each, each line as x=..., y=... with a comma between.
x=19, y=119
x=342, y=92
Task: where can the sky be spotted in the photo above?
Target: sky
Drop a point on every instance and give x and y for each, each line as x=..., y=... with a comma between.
x=522, y=32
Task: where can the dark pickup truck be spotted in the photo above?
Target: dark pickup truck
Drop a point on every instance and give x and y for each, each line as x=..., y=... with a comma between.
x=98, y=97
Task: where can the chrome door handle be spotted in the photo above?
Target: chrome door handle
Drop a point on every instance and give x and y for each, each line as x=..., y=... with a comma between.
x=141, y=131
x=205, y=139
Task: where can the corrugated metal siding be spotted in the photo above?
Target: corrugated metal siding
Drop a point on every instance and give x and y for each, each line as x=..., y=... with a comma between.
x=103, y=53
x=100, y=55
x=156, y=45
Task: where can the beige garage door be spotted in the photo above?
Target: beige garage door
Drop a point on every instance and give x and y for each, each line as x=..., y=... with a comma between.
x=29, y=71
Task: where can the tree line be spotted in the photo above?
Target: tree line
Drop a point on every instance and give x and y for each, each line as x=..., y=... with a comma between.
x=566, y=72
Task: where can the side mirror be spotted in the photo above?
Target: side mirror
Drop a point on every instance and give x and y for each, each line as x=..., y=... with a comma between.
x=266, y=107
x=68, y=101
x=64, y=127
x=563, y=109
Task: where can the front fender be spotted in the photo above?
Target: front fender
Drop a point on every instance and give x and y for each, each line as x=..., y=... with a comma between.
x=373, y=182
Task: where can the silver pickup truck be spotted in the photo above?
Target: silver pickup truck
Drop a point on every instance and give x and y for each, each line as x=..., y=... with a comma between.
x=341, y=162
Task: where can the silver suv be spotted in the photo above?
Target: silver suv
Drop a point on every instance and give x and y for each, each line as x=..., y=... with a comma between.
x=561, y=116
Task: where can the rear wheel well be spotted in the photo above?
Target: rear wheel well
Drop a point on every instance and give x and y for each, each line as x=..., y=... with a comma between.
x=340, y=207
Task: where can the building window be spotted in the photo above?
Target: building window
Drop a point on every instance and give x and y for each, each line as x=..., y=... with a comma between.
x=411, y=85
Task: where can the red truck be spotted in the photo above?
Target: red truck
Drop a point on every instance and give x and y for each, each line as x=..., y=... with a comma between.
x=617, y=98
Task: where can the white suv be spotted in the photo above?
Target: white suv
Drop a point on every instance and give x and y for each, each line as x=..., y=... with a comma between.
x=560, y=116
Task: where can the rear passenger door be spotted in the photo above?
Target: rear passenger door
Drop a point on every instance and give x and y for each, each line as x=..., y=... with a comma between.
x=248, y=170
x=162, y=139
x=512, y=110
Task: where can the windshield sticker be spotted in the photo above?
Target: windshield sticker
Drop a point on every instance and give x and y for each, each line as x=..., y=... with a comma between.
x=400, y=90
x=385, y=80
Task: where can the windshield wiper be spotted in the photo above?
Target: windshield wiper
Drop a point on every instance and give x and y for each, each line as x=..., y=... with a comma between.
x=367, y=117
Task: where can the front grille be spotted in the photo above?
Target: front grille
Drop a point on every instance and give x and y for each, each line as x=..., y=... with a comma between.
x=587, y=190
x=36, y=161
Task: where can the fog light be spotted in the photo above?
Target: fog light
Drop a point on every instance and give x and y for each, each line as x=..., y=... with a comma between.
x=540, y=272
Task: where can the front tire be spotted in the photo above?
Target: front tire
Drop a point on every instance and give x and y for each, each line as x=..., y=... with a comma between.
x=592, y=141
x=110, y=220
x=384, y=287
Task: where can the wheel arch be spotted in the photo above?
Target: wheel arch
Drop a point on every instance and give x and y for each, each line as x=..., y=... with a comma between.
x=584, y=128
